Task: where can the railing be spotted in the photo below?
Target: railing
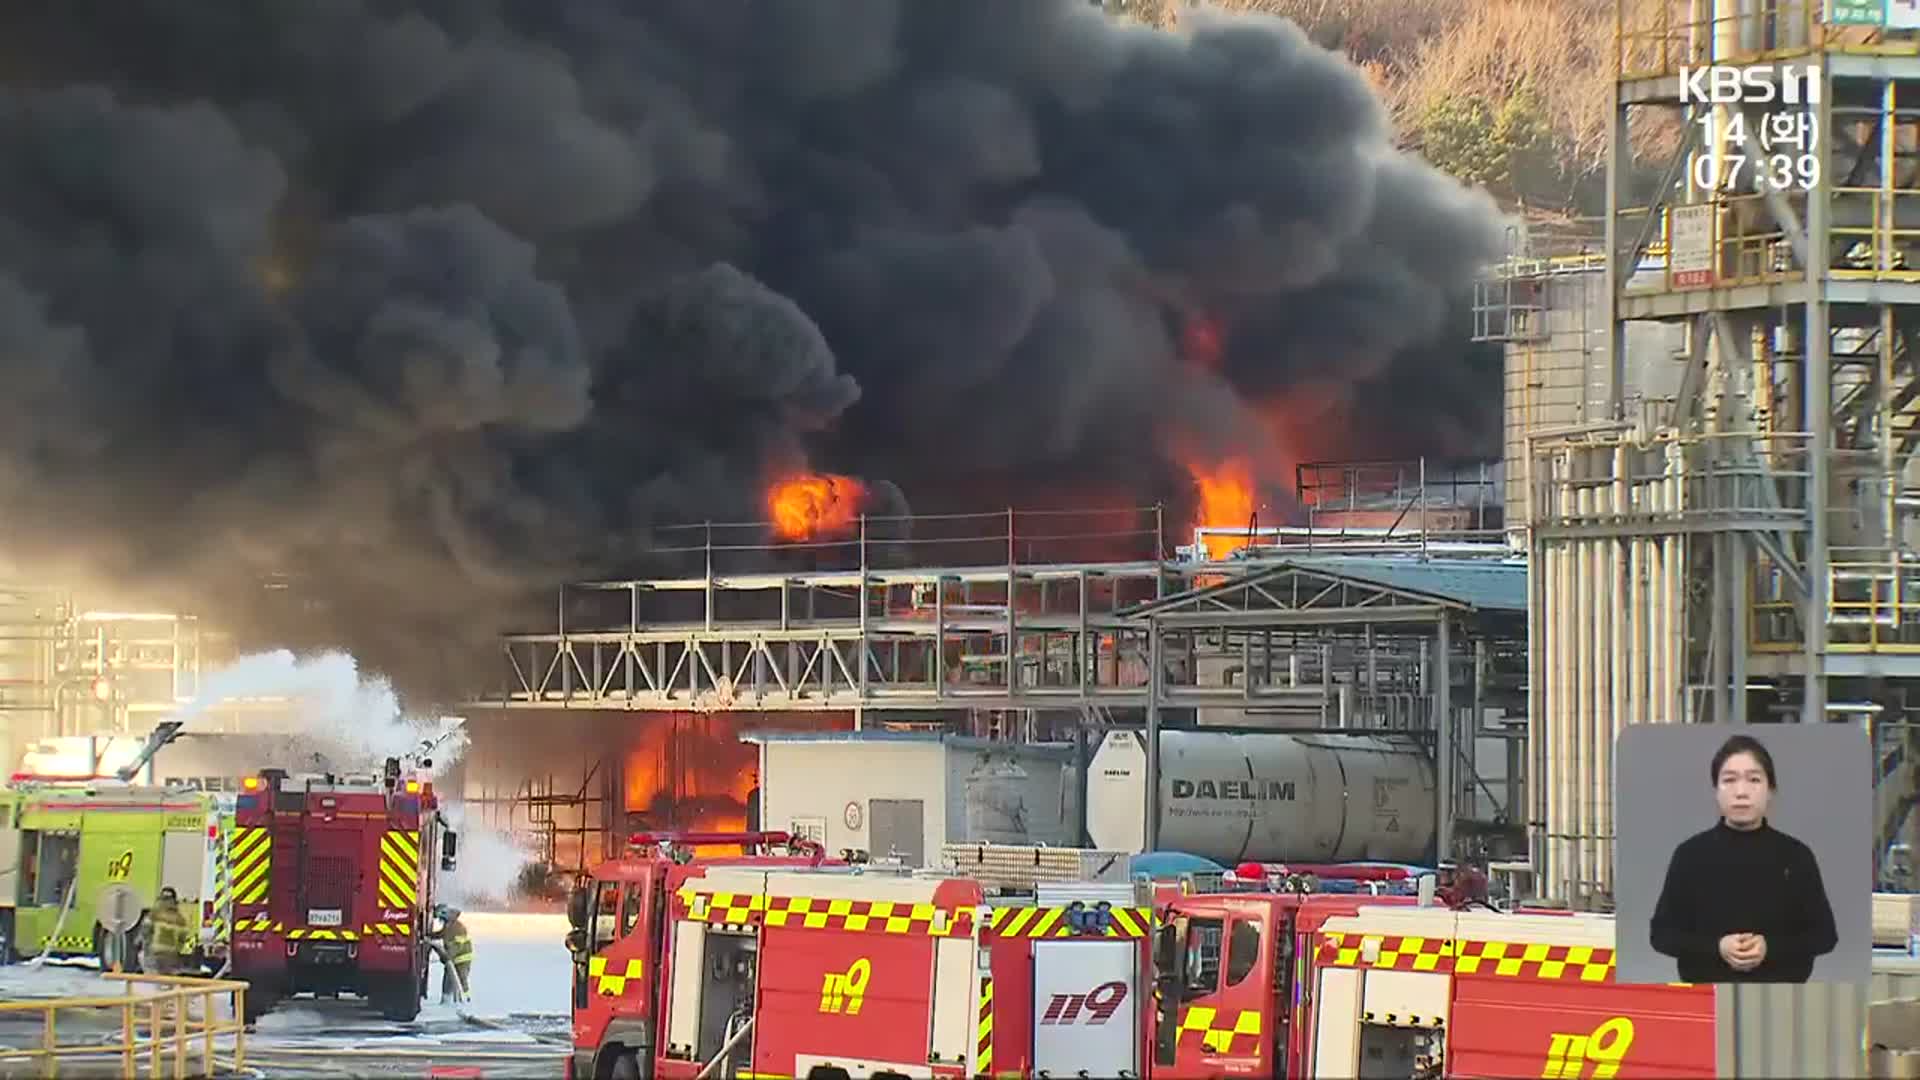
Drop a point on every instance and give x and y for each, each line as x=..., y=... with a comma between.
x=1745, y=245
x=902, y=541
x=158, y=1033
x=1869, y=240
x=1658, y=37
x=1756, y=479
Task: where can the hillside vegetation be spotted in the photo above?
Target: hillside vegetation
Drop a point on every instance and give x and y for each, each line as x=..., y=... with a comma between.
x=1508, y=94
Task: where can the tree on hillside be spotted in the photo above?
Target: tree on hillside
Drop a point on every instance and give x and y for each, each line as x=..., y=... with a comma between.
x=1509, y=94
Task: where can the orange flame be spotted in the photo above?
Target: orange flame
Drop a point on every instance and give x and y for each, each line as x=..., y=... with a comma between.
x=1226, y=501
x=690, y=772
x=811, y=505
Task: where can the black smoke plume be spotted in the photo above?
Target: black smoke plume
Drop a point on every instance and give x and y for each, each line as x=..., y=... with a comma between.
x=429, y=305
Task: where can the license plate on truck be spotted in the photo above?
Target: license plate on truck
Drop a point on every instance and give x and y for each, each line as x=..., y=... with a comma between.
x=323, y=917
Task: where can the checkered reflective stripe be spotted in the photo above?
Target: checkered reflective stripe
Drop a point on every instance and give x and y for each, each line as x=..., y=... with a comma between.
x=614, y=983
x=67, y=943
x=819, y=913
x=1526, y=960
x=1215, y=1033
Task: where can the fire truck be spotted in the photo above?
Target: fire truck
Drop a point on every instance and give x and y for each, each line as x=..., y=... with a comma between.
x=331, y=882
x=64, y=842
x=750, y=967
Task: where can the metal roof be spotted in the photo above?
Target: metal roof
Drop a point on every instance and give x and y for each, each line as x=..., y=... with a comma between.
x=925, y=738
x=1480, y=584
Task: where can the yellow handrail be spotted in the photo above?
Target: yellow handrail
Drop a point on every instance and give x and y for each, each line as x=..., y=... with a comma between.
x=157, y=1027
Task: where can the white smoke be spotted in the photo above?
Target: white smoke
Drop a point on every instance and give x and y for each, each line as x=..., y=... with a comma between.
x=489, y=866
x=336, y=720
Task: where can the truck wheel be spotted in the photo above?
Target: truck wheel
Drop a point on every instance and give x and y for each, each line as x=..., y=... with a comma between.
x=261, y=1000
x=103, y=951
x=397, y=1000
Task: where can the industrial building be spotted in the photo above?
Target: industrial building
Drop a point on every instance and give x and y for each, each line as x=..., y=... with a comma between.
x=1398, y=612
x=1710, y=417
x=1702, y=514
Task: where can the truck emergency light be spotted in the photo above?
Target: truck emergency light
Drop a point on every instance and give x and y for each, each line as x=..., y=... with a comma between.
x=709, y=839
x=1253, y=871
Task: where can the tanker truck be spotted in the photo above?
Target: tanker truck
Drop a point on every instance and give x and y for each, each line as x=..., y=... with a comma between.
x=1238, y=797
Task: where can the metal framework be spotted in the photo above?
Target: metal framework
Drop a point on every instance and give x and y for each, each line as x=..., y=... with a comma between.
x=1737, y=546
x=70, y=669
x=1405, y=646
x=1327, y=631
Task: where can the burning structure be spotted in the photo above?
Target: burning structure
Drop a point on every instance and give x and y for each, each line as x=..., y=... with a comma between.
x=422, y=308
x=1417, y=633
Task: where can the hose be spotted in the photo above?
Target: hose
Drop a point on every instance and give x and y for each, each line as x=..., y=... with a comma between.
x=66, y=909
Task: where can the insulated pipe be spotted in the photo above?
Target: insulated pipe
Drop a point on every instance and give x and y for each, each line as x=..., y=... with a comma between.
x=1619, y=591
x=1636, y=600
x=1674, y=641
x=1579, y=747
x=1564, y=687
x=1569, y=690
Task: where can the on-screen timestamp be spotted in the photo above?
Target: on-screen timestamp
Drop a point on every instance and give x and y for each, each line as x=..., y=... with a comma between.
x=1781, y=154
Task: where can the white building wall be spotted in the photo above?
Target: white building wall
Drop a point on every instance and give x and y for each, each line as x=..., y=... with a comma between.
x=1013, y=795
x=809, y=785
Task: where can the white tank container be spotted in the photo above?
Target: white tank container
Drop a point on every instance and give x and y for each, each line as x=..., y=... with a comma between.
x=1238, y=796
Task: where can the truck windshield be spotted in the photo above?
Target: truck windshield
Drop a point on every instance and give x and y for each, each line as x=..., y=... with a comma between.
x=1243, y=950
x=606, y=914
x=1204, y=940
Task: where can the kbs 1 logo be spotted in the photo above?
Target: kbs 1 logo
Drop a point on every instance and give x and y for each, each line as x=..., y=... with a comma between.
x=1097, y=1005
x=1604, y=1046
x=1762, y=85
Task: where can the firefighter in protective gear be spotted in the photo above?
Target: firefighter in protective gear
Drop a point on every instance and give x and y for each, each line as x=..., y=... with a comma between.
x=459, y=955
x=168, y=937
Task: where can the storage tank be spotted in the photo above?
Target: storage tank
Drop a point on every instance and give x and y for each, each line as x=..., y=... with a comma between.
x=1238, y=796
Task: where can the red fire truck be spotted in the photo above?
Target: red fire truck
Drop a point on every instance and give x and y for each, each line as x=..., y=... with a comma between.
x=754, y=968
x=332, y=882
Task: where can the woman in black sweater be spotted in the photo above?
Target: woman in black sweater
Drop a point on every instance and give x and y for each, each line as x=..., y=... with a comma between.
x=1743, y=902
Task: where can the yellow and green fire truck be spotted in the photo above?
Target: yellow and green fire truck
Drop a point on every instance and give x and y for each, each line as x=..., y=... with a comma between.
x=63, y=844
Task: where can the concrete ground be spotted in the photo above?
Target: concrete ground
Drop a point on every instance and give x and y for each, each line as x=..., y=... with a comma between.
x=516, y=1024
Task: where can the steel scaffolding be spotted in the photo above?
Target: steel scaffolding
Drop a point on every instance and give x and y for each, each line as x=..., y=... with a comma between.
x=1742, y=546
x=1371, y=630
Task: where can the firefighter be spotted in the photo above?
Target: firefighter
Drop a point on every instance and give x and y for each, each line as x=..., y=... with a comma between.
x=459, y=954
x=168, y=938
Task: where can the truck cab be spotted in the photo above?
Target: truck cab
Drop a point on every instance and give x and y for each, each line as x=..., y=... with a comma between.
x=619, y=916
x=332, y=880
x=1233, y=989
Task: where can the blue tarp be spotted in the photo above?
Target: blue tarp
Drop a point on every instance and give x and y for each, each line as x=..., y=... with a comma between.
x=1163, y=864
